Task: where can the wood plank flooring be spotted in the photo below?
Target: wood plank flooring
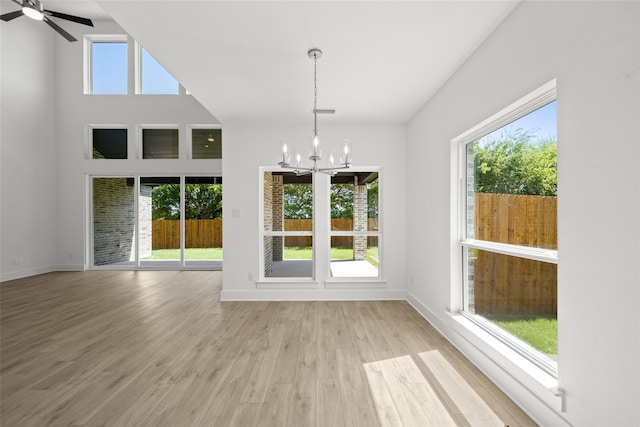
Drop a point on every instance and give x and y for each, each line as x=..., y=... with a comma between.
x=156, y=348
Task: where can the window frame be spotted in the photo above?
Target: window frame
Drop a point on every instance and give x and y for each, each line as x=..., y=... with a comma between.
x=309, y=281
x=369, y=233
x=138, y=263
x=460, y=277
x=88, y=41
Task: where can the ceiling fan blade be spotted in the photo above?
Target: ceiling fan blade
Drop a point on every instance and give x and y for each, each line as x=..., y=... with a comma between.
x=11, y=15
x=60, y=31
x=78, y=19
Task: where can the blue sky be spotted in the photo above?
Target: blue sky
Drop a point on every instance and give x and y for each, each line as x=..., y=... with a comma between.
x=155, y=79
x=110, y=70
x=542, y=123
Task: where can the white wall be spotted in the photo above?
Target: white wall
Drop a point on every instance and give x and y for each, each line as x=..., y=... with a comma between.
x=593, y=49
x=247, y=147
x=28, y=218
x=75, y=111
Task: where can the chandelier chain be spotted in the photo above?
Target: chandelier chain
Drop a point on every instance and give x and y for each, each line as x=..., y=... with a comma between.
x=315, y=82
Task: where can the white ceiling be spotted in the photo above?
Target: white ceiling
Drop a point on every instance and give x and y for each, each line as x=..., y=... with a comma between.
x=247, y=60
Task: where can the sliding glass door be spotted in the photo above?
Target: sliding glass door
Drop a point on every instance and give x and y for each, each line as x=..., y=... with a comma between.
x=156, y=222
x=159, y=219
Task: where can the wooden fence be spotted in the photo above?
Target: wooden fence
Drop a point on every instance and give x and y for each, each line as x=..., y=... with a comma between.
x=337, y=224
x=505, y=284
x=207, y=233
x=502, y=284
x=199, y=233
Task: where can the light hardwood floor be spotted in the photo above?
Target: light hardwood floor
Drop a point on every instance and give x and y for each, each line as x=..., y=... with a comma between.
x=159, y=348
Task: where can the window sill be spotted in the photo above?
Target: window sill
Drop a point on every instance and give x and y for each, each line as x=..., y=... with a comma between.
x=532, y=377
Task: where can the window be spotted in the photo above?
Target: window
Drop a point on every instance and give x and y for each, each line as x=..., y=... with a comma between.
x=106, y=64
x=109, y=143
x=159, y=221
x=354, y=224
x=287, y=235
x=508, y=231
x=333, y=238
x=203, y=220
x=151, y=77
x=113, y=219
x=156, y=221
x=206, y=143
x=159, y=143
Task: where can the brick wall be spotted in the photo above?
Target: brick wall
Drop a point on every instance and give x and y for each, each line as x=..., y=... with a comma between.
x=268, y=223
x=359, y=220
x=113, y=221
x=277, y=215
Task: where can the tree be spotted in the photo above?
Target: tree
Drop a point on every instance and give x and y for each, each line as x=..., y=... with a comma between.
x=202, y=201
x=515, y=163
x=298, y=201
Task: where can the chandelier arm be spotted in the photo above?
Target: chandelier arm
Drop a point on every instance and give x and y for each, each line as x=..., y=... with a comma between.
x=335, y=168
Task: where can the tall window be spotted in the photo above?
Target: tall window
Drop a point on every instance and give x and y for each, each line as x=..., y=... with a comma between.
x=288, y=248
x=509, y=226
x=153, y=78
x=106, y=64
x=354, y=224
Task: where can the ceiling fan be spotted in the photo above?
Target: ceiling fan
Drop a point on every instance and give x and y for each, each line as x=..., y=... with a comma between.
x=34, y=10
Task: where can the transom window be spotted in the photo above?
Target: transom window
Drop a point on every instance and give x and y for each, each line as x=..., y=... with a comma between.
x=508, y=231
x=106, y=65
x=160, y=144
x=151, y=77
x=109, y=143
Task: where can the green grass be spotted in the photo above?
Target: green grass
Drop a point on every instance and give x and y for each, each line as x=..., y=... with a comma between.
x=189, y=254
x=541, y=332
x=337, y=252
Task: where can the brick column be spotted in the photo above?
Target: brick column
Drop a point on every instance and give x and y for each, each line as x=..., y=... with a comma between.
x=278, y=215
x=268, y=223
x=359, y=220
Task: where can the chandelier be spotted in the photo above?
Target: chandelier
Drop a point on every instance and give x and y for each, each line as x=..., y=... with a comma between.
x=315, y=155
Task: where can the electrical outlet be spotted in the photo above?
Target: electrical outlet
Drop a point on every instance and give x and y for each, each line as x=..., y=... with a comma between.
x=17, y=260
x=250, y=277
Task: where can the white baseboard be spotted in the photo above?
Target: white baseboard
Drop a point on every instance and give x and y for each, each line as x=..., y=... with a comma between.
x=313, y=294
x=20, y=274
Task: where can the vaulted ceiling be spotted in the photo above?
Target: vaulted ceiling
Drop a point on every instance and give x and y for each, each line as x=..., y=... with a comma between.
x=247, y=60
